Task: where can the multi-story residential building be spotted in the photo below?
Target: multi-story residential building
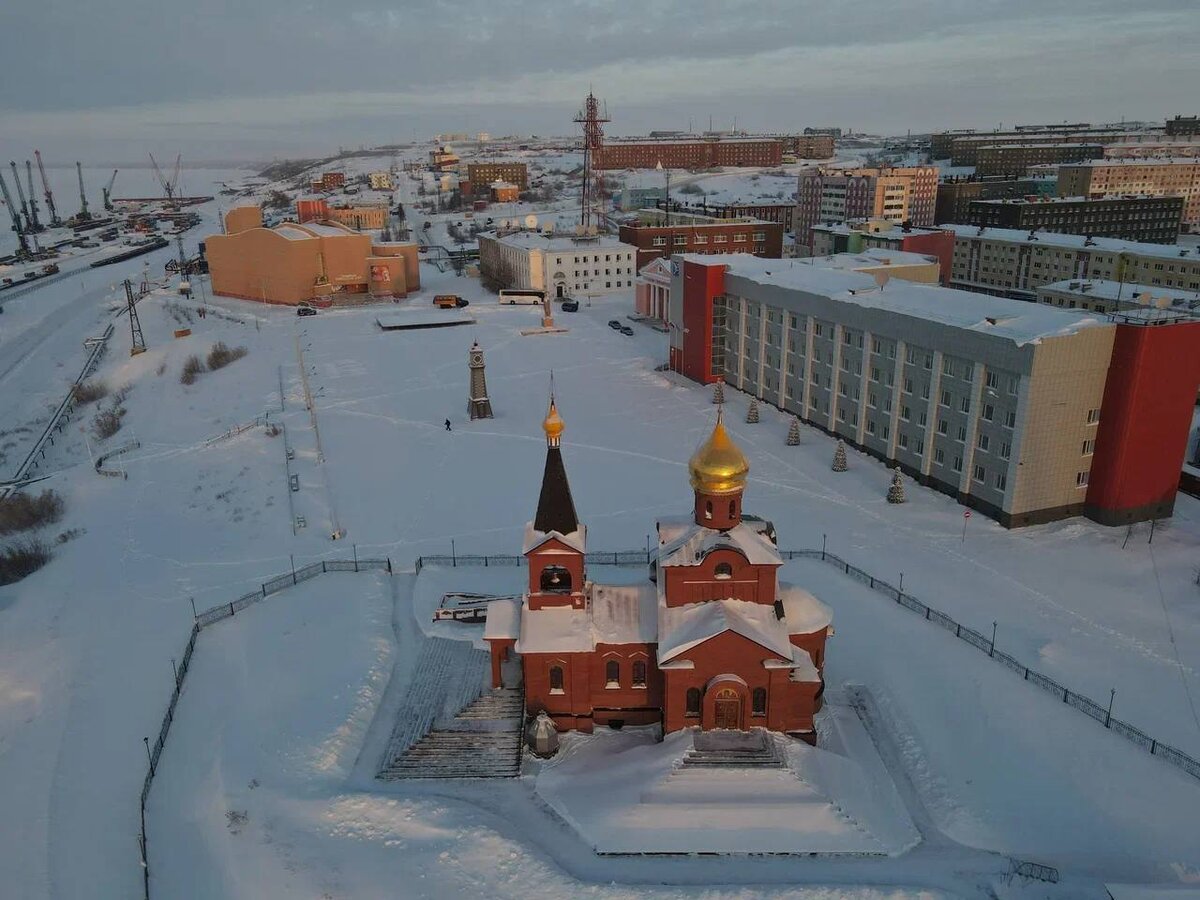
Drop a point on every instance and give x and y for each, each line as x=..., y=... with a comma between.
x=907, y=194
x=1175, y=177
x=694, y=233
x=964, y=148
x=880, y=234
x=809, y=146
x=1104, y=296
x=562, y=265
x=1017, y=159
x=1015, y=263
x=696, y=153
x=1183, y=125
x=331, y=181
x=481, y=175
x=1187, y=146
x=1153, y=220
x=954, y=195
x=834, y=133
x=1025, y=412
x=380, y=181
x=442, y=158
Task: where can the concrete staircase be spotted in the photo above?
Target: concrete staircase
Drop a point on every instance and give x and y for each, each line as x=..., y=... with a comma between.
x=482, y=741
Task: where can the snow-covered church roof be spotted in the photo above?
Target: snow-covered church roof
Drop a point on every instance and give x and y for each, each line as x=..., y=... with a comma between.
x=576, y=540
x=681, y=628
x=616, y=614
x=684, y=543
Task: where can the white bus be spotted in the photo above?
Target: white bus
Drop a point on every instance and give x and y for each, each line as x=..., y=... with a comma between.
x=511, y=297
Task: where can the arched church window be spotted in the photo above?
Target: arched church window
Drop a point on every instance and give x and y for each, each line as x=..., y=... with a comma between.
x=723, y=570
x=612, y=674
x=556, y=680
x=708, y=509
x=692, y=707
x=758, y=702
x=639, y=674
x=556, y=580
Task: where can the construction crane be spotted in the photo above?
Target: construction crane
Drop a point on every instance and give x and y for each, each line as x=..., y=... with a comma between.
x=21, y=194
x=107, y=189
x=33, y=210
x=169, y=185
x=55, y=221
x=84, y=215
x=16, y=217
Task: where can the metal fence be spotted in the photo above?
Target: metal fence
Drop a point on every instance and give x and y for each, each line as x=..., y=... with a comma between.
x=201, y=621
x=617, y=558
x=987, y=645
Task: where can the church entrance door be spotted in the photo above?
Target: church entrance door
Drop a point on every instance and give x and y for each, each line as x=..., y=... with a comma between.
x=727, y=709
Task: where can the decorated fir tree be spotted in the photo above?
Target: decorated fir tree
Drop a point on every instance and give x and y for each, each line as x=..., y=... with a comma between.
x=839, y=457
x=752, y=413
x=896, y=491
x=793, y=438
x=719, y=392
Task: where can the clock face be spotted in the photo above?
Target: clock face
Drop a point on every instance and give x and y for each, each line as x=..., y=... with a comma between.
x=477, y=359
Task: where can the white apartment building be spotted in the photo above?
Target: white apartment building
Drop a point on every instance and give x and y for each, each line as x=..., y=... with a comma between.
x=562, y=265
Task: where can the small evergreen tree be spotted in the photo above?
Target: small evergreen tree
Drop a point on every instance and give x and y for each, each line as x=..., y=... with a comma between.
x=719, y=392
x=895, y=493
x=752, y=413
x=839, y=457
x=793, y=437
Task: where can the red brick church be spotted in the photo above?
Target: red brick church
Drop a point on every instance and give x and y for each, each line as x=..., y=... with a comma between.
x=711, y=639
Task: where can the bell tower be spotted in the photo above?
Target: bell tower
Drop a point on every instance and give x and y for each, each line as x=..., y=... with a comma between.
x=555, y=539
x=718, y=471
x=478, y=404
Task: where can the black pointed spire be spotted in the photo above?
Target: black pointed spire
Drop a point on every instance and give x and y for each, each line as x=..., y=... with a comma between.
x=556, y=509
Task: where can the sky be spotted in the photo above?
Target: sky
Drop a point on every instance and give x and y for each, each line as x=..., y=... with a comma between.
x=262, y=79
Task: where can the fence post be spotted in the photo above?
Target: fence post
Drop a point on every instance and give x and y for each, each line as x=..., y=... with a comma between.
x=149, y=758
x=389, y=560
x=323, y=569
x=292, y=557
x=231, y=605
x=193, y=599
x=822, y=547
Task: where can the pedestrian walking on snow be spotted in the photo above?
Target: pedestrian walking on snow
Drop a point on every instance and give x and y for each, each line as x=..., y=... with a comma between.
x=447, y=424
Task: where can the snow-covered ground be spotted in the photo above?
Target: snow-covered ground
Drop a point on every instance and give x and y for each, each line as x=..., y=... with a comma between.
x=86, y=643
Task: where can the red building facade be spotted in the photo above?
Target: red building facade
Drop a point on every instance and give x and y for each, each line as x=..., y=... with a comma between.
x=703, y=153
x=711, y=640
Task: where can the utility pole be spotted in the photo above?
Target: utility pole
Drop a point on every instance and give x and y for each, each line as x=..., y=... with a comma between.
x=137, y=340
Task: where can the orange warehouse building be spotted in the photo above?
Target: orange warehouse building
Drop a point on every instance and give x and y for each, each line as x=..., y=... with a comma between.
x=319, y=262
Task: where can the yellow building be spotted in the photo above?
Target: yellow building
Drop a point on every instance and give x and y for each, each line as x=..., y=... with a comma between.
x=360, y=216
x=324, y=263
x=380, y=181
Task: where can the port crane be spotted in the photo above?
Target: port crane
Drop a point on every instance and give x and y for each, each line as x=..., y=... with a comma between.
x=107, y=189
x=170, y=185
x=55, y=221
x=84, y=215
x=21, y=195
x=16, y=217
x=33, y=210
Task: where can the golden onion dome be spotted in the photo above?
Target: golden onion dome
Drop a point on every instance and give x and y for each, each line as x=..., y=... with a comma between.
x=718, y=466
x=553, y=424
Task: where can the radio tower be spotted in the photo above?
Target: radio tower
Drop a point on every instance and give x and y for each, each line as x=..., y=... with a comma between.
x=138, y=342
x=592, y=119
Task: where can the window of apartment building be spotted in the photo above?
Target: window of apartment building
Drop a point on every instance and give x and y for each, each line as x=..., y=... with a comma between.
x=939, y=456
x=658, y=242
x=1089, y=447
x=1005, y=450
x=1010, y=419
x=947, y=399
x=965, y=404
x=923, y=418
x=904, y=413
x=957, y=466
x=720, y=239
x=902, y=440
x=842, y=388
x=928, y=360
x=760, y=235
x=1093, y=416
x=871, y=399
x=870, y=426
x=875, y=345
x=908, y=385
x=875, y=373
x=988, y=411
x=680, y=240
x=992, y=379
x=700, y=239
x=948, y=367
x=841, y=414
x=962, y=434
x=910, y=356
x=891, y=351
x=1081, y=479
x=984, y=442
x=886, y=430
x=980, y=474
x=1001, y=481
x=920, y=451
x=887, y=403
x=817, y=330
x=943, y=426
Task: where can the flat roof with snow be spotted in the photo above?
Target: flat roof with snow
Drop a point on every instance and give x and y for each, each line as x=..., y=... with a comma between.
x=1016, y=320
x=1073, y=241
x=535, y=240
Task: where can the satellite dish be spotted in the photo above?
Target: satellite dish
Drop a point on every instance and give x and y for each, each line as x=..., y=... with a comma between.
x=531, y=221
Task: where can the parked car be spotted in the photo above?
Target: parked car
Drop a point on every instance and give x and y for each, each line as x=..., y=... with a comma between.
x=614, y=324
x=448, y=301
x=305, y=310
x=625, y=329
x=570, y=306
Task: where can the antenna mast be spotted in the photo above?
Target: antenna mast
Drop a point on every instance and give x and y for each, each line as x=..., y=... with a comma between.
x=592, y=120
x=138, y=340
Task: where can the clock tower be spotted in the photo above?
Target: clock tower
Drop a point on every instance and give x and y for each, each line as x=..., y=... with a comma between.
x=478, y=404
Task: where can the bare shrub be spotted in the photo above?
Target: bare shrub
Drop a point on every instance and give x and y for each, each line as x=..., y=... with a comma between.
x=122, y=394
x=222, y=355
x=90, y=391
x=21, y=512
x=21, y=559
x=107, y=422
x=193, y=366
